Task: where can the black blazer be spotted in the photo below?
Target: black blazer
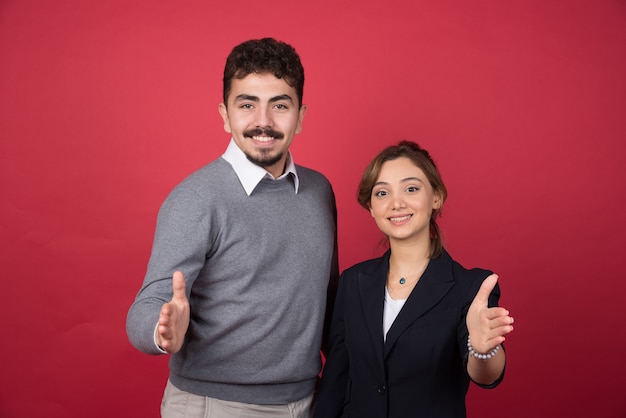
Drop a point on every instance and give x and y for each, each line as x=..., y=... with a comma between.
x=420, y=371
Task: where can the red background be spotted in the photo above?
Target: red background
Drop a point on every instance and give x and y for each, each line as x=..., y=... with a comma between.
x=105, y=106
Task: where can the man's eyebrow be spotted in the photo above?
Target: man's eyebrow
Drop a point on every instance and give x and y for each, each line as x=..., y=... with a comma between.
x=246, y=97
x=281, y=97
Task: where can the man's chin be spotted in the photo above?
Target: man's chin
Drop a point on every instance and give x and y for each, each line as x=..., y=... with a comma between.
x=264, y=160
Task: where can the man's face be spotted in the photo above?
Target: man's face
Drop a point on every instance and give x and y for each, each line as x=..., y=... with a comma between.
x=262, y=114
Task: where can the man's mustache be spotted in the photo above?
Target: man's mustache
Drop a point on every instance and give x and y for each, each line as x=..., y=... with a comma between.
x=263, y=132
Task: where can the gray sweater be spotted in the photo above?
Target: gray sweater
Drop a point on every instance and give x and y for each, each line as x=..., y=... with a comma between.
x=257, y=269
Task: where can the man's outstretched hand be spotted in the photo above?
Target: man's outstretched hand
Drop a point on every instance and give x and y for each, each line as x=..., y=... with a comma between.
x=174, y=317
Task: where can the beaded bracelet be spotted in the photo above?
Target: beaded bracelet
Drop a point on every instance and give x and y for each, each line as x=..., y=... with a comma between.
x=483, y=357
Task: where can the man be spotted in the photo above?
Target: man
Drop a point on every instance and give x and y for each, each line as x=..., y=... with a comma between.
x=243, y=253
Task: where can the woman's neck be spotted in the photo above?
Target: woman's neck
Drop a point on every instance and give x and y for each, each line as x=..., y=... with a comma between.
x=406, y=266
x=408, y=254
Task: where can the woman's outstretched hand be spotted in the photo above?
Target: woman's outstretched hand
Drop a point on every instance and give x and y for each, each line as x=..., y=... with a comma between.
x=487, y=326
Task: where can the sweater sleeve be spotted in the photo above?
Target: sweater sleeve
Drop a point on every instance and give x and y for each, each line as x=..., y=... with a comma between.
x=333, y=283
x=180, y=244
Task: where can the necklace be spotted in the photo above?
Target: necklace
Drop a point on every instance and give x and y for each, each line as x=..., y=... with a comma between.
x=401, y=289
x=404, y=284
x=403, y=280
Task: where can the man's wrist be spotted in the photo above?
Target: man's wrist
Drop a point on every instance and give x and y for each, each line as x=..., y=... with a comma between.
x=156, y=339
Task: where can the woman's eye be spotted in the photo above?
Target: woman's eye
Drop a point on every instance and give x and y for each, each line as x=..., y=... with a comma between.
x=412, y=189
x=380, y=193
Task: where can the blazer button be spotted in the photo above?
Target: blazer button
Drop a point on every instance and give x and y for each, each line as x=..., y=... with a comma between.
x=382, y=389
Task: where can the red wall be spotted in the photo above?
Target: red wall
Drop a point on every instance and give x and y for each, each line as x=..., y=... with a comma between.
x=104, y=106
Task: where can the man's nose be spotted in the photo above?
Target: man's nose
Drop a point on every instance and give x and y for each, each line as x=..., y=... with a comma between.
x=263, y=116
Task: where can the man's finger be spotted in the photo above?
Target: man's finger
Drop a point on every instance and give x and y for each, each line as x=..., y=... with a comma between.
x=178, y=286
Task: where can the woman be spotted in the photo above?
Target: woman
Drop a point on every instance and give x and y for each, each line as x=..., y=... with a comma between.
x=412, y=328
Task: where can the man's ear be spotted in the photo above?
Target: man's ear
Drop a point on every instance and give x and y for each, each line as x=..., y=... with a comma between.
x=301, y=114
x=224, y=114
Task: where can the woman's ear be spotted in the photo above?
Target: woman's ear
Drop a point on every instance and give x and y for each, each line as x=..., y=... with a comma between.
x=438, y=203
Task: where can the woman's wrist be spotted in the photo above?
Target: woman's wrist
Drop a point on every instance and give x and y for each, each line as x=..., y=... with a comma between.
x=481, y=356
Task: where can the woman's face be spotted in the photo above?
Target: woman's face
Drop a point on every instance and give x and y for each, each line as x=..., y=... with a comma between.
x=403, y=200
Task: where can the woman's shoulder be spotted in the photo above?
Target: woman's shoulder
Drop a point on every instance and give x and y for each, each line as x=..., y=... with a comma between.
x=469, y=278
x=459, y=270
x=370, y=266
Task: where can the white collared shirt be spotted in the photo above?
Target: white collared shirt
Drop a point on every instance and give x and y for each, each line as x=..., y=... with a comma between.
x=250, y=174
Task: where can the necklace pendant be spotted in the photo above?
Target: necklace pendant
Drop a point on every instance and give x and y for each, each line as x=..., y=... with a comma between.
x=402, y=281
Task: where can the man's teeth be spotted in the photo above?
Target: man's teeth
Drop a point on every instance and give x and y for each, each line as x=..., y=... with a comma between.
x=263, y=138
x=400, y=219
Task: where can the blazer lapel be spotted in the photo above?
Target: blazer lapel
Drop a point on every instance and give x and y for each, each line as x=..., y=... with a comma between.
x=372, y=293
x=435, y=283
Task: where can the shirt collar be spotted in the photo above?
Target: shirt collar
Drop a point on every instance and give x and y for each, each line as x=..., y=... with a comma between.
x=250, y=174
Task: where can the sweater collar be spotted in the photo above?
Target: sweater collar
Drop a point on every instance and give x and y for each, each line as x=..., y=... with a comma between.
x=250, y=174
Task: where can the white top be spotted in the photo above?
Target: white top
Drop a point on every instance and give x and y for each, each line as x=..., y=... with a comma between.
x=391, y=310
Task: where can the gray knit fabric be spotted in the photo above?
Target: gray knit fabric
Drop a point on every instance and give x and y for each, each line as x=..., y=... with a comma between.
x=257, y=269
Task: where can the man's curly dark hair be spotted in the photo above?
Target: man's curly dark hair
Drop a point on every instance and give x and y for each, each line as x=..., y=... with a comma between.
x=262, y=56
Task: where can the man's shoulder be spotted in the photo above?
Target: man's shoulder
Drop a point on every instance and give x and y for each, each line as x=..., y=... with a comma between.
x=308, y=174
x=214, y=170
x=309, y=171
x=219, y=164
x=213, y=176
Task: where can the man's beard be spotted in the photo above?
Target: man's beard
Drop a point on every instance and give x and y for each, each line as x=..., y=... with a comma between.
x=265, y=158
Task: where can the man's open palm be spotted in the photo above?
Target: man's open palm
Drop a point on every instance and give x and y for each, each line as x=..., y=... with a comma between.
x=174, y=317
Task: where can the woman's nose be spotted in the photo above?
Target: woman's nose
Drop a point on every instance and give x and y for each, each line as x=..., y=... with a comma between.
x=398, y=202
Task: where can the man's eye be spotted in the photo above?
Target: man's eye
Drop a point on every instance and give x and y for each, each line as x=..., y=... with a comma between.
x=280, y=106
x=246, y=106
